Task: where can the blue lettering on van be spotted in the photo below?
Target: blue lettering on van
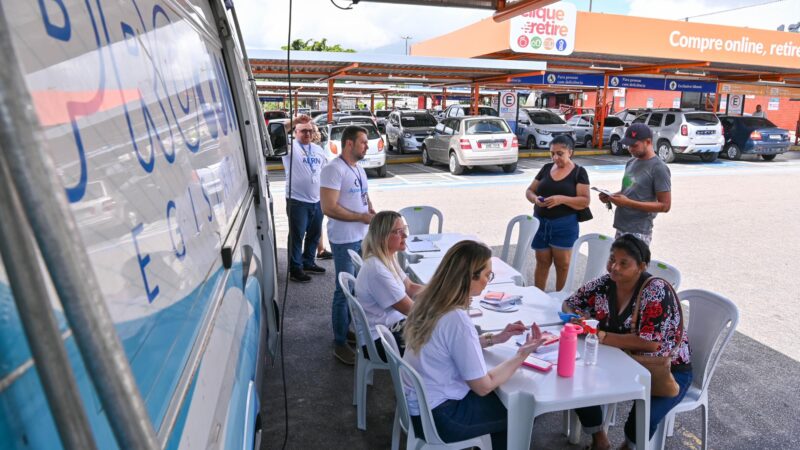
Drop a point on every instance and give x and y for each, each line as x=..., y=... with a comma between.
x=208, y=201
x=208, y=110
x=143, y=262
x=178, y=253
x=63, y=32
x=194, y=210
x=130, y=38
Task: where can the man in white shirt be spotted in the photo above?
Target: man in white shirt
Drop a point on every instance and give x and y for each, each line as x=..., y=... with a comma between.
x=302, y=203
x=759, y=112
x=345, y=200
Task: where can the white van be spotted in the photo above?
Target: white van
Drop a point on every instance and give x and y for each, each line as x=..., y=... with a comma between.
x=162, y=214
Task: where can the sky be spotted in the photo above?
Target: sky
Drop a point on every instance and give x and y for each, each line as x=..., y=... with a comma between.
x=378, y=28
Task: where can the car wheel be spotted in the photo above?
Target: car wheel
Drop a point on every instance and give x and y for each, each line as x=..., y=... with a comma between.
x=733, y=152
x=509, y=168
x=455, y=166
x=389, y=146
x=531, y=142
x=768, y=157
x=616, y=146
x=381, y=171
x=426, y=160
x=709, y=157
x=588, y=142
x=665, y=151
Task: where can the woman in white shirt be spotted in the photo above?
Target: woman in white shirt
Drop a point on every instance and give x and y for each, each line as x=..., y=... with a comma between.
x=444, y=348
x=382, y=288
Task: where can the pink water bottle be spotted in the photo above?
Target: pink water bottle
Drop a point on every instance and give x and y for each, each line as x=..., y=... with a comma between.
x=567, y=347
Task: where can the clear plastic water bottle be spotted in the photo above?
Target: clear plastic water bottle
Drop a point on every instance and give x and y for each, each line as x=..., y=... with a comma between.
x=591, y=346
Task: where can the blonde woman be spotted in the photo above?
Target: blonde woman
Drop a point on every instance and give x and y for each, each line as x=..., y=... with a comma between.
x=443, y=346
x=382, y=288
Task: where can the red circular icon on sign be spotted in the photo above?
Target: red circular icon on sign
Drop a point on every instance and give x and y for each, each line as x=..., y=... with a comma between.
x=522, y=41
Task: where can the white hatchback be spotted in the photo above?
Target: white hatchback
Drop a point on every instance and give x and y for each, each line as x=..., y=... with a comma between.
x=375, y=157
x=472, y=141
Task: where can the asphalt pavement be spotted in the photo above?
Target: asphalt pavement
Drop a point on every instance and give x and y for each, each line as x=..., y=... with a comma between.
x=732, y=230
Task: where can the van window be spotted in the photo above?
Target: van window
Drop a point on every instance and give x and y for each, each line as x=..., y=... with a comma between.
x=418, y=120
x=669, y=120
x=640, y=119
x=612, y=121
x=486, y=126
x=655, y=120
x=701, y=118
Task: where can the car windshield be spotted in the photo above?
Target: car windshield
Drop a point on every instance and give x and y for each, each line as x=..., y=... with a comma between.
x=702, y=118
x=614, y=122
x=418, y=120
x=486, y=111
x=372, y=133
x=757, y=122
x=384, y=113
x=486, y=126
x=545, y=118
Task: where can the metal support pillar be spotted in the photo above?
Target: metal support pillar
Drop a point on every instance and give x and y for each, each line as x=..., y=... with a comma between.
x=330, y=101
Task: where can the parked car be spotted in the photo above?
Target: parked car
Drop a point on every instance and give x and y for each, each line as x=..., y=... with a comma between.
x=272, y=115
x=315, y=112
x=381, y=115
x=628, y=115
x=406, y=130
x=356, y=120
x=472, y=141
x=322, y=119
x=538, y=126
x=583, y=124
x=684, y=132
x=376, y=156
x=465, y=110
x=753, y=135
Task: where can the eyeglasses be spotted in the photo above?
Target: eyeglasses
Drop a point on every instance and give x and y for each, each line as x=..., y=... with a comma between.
x=490, y=276
x=400, y=232
x=306, y=130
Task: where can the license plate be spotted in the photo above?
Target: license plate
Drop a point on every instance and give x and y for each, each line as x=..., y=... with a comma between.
x=776, y=137
x=705, y=132
x=492, y=145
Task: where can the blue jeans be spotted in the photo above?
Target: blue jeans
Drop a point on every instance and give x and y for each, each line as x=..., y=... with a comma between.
x=305, y=229
x=592, y=416
x=472, y=416
x=340, y=313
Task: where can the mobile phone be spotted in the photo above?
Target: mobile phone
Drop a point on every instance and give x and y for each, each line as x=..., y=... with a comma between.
x=537, y=364
x=475, y=312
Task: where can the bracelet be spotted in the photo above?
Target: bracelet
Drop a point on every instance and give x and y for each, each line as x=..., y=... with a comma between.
x=601, y=337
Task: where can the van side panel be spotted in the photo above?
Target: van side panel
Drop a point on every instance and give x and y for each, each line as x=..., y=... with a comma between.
x=138, y=116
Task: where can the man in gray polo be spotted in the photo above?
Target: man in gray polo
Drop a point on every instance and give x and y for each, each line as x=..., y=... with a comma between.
x=646, y=186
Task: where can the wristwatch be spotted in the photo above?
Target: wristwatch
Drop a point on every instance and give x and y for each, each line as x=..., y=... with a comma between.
x=489, y=342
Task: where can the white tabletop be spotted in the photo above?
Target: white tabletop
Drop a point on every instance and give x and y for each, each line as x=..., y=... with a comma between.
x=424, y=269
x=529, y=393
x=441, y=241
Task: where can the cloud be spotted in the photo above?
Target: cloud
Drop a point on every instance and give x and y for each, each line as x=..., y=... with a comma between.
x=366, y=27
x=765, y=16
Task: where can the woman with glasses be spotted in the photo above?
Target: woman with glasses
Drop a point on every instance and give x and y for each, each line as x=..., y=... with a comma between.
x=382, y=288
x=444, y=348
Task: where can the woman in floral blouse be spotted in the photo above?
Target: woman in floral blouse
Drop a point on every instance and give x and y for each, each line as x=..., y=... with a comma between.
x=610, y=299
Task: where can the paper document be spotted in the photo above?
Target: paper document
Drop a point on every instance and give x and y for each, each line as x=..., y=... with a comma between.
x=602, y=191
x=417, y=246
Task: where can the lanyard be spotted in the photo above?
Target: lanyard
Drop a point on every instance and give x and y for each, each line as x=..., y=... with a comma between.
x=308, y=158
x=355, y=174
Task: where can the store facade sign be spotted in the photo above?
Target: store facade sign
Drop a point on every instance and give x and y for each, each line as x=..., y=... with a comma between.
x=549, y=30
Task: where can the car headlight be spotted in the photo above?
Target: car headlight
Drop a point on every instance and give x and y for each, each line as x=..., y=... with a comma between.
x=540, y=131
x=408, y=135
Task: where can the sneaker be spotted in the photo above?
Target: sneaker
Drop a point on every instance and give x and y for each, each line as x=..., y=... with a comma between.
x=324, y=255
x=351, y=337
x=345, y=354
x=299, y=276
x=315, y=269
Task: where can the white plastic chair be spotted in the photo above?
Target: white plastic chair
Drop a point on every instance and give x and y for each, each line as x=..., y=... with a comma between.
x=364, y=366
x=402, y=371
x=418, y=218
x=666, y=271
x=356, y=258
x=712, y=321
x=527, y=229
x=598, y=248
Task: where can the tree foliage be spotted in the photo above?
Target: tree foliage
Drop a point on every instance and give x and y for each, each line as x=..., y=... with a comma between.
x=313, y=45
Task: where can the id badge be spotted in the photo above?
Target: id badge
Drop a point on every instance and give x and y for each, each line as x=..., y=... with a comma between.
x=315, y=179
x=365, y=199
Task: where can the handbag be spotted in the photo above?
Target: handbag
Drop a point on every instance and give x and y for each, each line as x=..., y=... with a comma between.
x=662, y=383
x=586, y=213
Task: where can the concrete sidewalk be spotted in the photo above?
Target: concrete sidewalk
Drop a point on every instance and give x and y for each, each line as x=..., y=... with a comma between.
x=752, y=396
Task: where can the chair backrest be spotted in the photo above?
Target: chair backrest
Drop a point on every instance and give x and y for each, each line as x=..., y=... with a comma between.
x=419, y=218
x=527, y=229
x=356, y=258
x=405, y=375
x=666, y=271
x=712, y=321
x=598, y=248
x=363, y=338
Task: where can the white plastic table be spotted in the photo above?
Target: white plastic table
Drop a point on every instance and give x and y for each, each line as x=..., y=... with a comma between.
x=442, y=241
x=424, y=269
x=536, y=306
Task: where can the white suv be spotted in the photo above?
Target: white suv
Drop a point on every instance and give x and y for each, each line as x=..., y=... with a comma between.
x=684, y=132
